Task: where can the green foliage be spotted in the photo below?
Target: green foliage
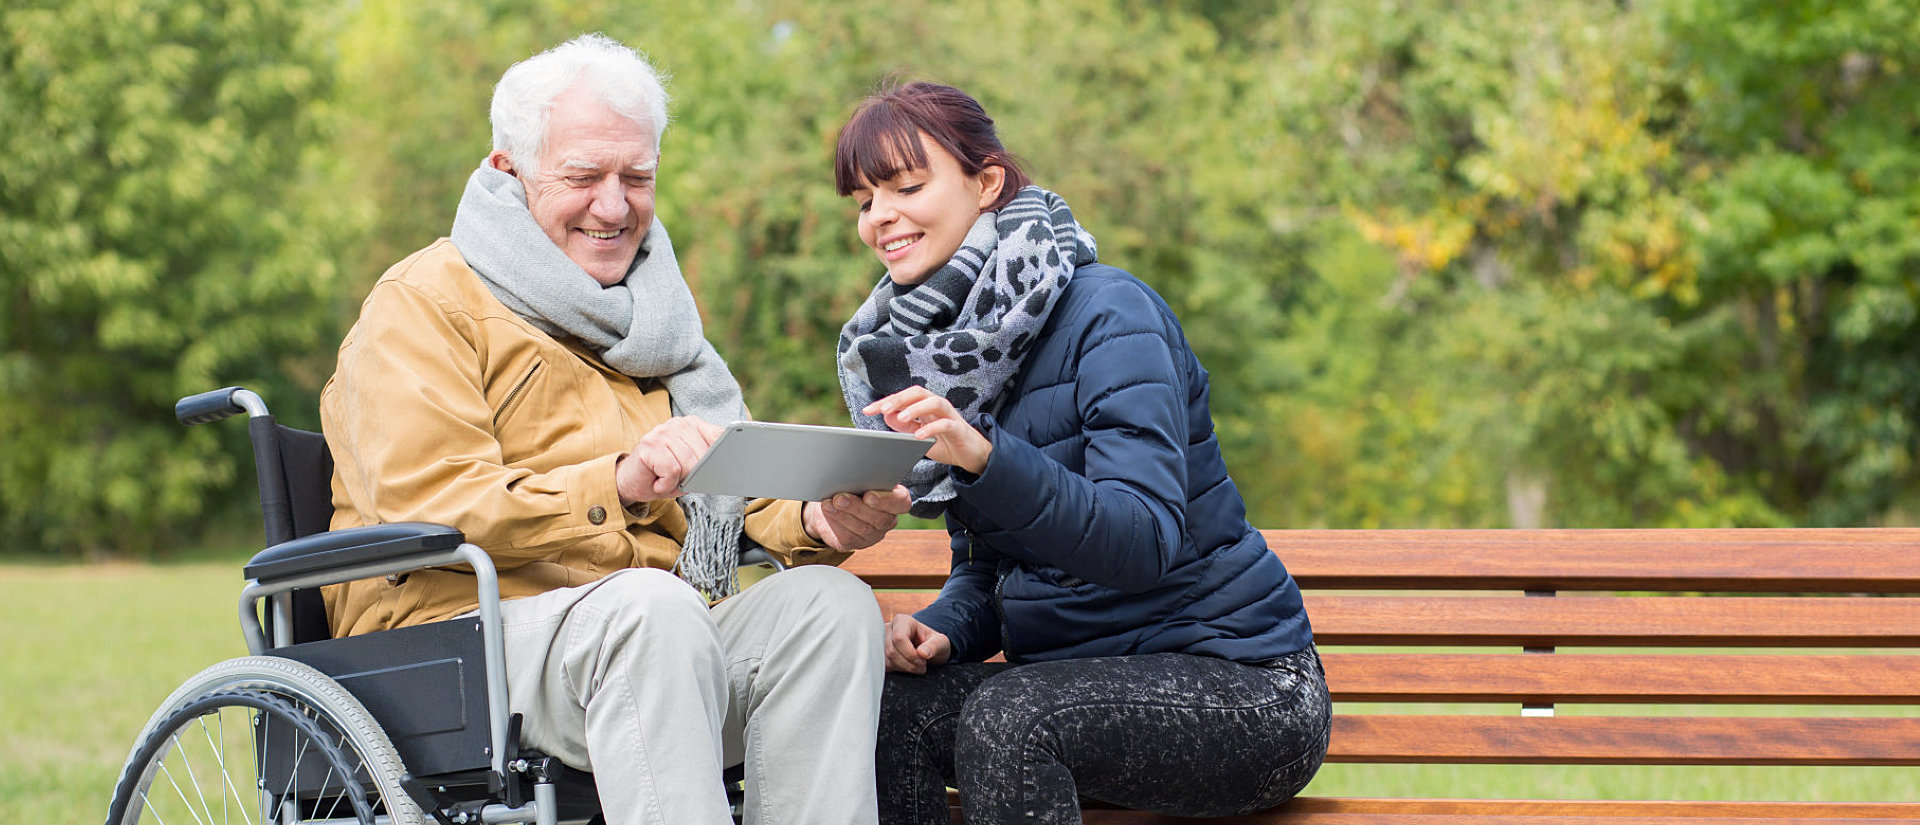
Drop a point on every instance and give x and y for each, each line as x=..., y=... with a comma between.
x=165, y=226
x=1653, y=268
x=1510, y=263
x=1804, y=159
x=760, y=92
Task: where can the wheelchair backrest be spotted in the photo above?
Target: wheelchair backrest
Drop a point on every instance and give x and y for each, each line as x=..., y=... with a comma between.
x=295, y=471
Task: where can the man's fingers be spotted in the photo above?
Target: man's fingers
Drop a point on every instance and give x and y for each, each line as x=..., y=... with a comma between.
x=860, y=515
x=672, y=449
x=893, y=502
x=709, y=432
x=851, y=521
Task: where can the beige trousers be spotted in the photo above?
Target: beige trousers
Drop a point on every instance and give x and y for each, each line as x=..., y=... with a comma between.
x=636, y=679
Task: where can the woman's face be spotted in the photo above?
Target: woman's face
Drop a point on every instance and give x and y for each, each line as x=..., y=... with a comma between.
x=916, y=220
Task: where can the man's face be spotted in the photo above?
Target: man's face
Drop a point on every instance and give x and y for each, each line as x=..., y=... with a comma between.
x=593, y=192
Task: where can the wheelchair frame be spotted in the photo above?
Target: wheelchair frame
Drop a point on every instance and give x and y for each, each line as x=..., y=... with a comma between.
x=279, y=695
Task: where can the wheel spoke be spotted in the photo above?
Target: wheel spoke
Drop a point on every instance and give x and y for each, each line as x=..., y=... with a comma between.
x=213, y=749
x=333, y=806
x=293, y=774
x=149, y=809
x=232, y=794
x=185, y=803
x=337, y=767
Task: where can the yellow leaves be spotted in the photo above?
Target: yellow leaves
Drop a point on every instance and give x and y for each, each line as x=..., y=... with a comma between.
x=1423, y=242
x=1586, y=141
x=1567, y=180
x=1647, y=250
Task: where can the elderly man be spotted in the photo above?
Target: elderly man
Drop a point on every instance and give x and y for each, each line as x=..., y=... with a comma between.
x=540, y=380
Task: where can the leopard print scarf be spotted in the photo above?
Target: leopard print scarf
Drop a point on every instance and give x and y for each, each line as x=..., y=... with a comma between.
x=964, y=331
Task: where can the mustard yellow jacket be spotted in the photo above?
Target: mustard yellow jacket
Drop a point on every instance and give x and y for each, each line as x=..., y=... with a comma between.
x=447, y=407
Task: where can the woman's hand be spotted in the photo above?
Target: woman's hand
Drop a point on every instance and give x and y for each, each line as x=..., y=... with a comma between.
x=919, y=412
x=662, y=459
x=850, y=522
x=911, y=645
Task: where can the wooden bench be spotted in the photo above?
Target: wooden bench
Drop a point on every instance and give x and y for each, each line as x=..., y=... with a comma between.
x=1680, y=618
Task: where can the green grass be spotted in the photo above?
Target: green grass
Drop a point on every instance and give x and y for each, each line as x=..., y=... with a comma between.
x=89, y=651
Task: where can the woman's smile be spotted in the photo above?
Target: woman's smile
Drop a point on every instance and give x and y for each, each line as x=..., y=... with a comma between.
x=916, y=220
x=895, y=249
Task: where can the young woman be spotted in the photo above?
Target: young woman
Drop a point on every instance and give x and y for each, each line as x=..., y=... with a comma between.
x=1158, y=656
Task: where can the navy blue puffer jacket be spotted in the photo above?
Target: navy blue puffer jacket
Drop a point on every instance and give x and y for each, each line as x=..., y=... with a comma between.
x=1105, y=523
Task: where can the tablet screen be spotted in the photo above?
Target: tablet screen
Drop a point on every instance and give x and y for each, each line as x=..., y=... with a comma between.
x=803, y=462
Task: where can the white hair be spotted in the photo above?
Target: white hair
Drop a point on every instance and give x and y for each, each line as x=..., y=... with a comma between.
x=618, y=75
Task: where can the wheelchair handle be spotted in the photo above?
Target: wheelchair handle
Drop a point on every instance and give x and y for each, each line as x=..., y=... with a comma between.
x=214, y=405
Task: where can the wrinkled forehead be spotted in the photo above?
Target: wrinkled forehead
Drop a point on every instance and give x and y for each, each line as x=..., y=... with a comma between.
x=585, y=132
x=642, y=165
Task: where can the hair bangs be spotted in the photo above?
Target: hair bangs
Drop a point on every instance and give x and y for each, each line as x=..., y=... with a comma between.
x=881, y=141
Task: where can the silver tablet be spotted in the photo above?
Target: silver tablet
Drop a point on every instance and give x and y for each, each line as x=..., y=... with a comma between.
x=803, y=462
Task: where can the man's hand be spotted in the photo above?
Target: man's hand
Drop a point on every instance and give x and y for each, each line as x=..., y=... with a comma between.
x=911, y=645
x=662, y=459
x=850, y=522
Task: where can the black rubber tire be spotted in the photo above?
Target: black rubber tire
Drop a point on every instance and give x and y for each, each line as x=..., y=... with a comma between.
x=197, y=759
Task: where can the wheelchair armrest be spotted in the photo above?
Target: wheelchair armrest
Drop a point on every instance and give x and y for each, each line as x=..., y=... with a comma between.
x=351, y=547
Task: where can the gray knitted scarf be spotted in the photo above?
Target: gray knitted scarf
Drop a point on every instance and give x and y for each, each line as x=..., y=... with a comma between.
x=964, y=331
x=646, y=326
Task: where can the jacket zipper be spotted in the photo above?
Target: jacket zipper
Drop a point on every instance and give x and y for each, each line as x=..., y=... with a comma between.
x=1000, y=609
x=515, y=394
x=1000, y=570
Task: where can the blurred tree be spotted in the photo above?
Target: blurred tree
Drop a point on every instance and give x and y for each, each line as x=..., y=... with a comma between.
x=1498, y=156
x=1511, y=263
x=1446, y=263
x=741, y=166
x=168, y=224
x=760, y=91
x=1801, y=122
x=1631, y=248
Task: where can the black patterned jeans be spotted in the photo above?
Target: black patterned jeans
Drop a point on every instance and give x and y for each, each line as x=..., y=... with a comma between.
x=1170, y=733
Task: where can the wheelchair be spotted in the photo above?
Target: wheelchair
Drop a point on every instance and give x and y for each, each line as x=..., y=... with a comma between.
x=400, y=727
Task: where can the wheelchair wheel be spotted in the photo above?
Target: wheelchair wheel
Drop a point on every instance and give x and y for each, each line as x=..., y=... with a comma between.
x=261, y=739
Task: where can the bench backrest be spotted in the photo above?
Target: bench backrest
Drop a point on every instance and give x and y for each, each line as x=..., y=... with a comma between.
x=1554, y=626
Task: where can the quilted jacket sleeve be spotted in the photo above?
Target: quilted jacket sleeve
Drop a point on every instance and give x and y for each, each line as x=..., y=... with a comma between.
x=965, y=611
x=1116, y=519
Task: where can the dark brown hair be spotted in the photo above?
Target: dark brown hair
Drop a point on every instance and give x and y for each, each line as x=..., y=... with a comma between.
x=882, y=138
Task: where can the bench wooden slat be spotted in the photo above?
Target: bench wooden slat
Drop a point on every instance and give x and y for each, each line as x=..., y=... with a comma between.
x=1340, y=811
x=1610, y=621
x=1487, y=817
x=1361, y=811
x=1787, y=560
x=1742, y=559
x=1810, y=817
x=1621, y=740
x=1519, y=621
x=901, y=601
x=1439, y=811
x=1606, y=807
x=1795, y=560
x=910, y=559
x=1615, y=590
x=1609, y=679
